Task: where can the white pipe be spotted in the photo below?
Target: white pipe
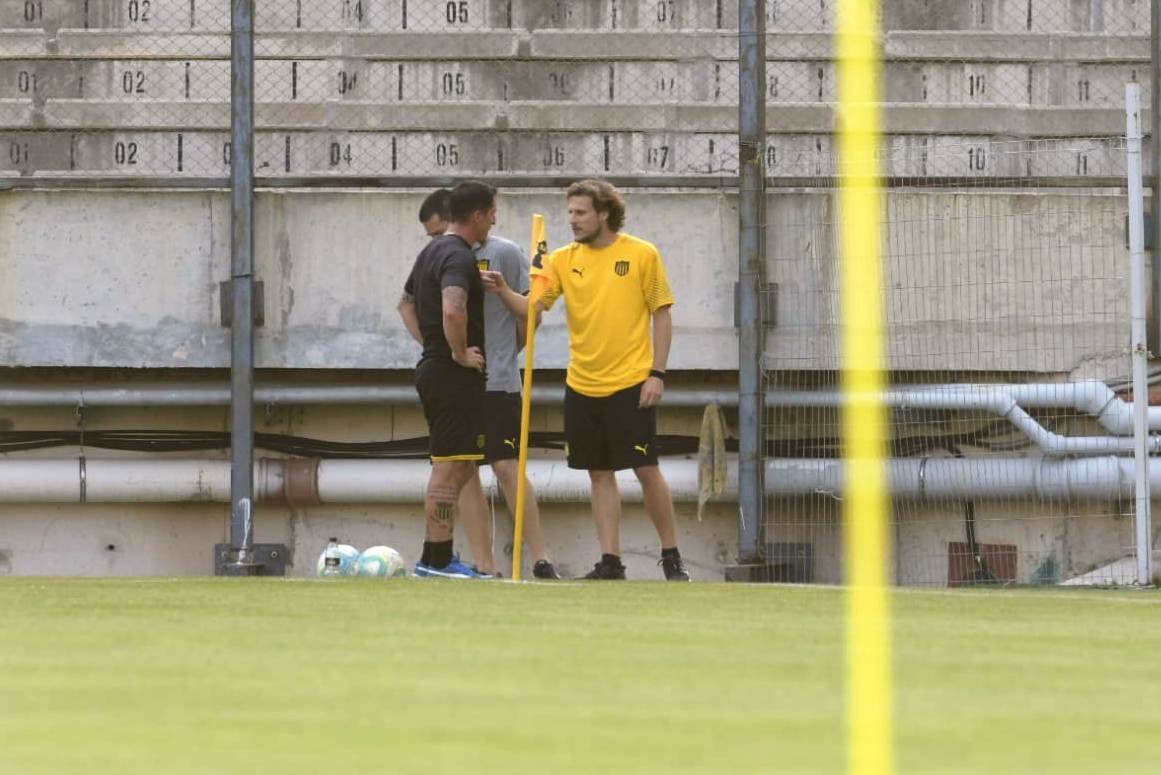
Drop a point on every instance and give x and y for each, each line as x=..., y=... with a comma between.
x=297, y=395
x=1003, y=401
x=403, y=481
x=1000, y=401
x=1140, y=346
x=1090, y=397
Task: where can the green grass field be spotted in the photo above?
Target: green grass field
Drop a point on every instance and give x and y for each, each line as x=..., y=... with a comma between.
x=270, y=676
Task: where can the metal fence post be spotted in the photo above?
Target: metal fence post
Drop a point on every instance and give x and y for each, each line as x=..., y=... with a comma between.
x=751, y=277
x=242, y=560
x=1153, y=334
x=1138, y=284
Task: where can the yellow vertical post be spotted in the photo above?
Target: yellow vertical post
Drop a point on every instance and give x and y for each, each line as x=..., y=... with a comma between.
x=538, y=251
x=869, y=701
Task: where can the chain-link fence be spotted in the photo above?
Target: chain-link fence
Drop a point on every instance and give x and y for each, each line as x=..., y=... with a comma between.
x=137, y=88
x=1007, y=316
x=1007, y=291
x=359, y=88
x=1008, y=280
x=548, y=88
x=442, y=88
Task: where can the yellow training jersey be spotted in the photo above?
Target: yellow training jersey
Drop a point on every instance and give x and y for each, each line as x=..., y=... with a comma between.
x=611, y=295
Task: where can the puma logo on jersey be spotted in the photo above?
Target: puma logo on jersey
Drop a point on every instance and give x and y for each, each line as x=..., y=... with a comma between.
x=642, y=448
x=579, y=272
x=511, y=443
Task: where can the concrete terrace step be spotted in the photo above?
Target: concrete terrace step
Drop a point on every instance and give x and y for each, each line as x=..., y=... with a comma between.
x=455, y=153
x=1002, y=120
x=557, y=44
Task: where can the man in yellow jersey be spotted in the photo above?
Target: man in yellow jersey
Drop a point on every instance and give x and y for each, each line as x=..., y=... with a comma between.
x=618, y=304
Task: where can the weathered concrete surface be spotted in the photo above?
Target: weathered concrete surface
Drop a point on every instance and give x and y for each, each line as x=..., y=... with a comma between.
x=178, y=539
x=977, y=281
x=1030, y=282
x=1061, y=538
x=131, y=279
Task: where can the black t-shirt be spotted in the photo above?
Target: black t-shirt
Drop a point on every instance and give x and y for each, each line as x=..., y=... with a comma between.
x=445, y=262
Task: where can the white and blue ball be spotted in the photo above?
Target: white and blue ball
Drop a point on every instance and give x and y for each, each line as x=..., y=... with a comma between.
x=348, y=560
x=381, y=562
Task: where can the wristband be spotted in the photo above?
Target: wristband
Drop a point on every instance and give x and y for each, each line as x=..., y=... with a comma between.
x=657, y=373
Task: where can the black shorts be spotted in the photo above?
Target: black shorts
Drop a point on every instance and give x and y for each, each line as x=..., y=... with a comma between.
x=610, y=433
x=501, y=425
x=453, y=403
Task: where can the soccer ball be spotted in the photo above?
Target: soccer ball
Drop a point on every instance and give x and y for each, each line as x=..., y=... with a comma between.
x=381, y=561
x=348, y=560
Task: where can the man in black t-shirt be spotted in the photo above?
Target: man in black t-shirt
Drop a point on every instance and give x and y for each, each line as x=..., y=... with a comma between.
x=444, y=301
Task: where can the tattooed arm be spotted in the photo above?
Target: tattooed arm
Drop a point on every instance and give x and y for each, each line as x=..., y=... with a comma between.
x=410, y=316
x=455, y=328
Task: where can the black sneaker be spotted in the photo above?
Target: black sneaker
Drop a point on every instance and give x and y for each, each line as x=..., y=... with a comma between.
x=543, y=570
x=674, y=568
x=607, y=571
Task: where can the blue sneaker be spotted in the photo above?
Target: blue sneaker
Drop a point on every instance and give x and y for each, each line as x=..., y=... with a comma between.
x=453, y=570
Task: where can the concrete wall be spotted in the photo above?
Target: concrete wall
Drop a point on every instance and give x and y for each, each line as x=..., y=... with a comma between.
x=977, y=281
x=178, y=539
x=1066, y=537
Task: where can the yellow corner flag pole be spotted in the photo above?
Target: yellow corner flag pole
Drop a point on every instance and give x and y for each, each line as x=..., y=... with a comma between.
x=539, y=250
x=870, y=703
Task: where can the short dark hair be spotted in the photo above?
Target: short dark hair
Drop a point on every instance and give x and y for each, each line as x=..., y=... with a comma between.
x=438, y=202
x=606, y=199
x=468, y=197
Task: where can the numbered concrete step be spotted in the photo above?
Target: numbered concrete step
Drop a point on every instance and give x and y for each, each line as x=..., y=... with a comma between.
x=561, y=82
x=1129, y=17
x=455, y=15
x=130, y=15
x=1090, y=84
x=1062, y=84
x=961, y=83
x=329, y=80
x=1076, y=158
x=319, y=15
x=453, y=81
x=788, y=15
x=673, y=82
x=799, y=155
x=128, y=152
x=644, y=83
x=148, y=80
x=26, y=153
x=141, y=15
x=41, y=79
x=971, y=157
x=41, y=14
x=667, y=15
x=535, y=15
x=440, y=154
x=353, y=115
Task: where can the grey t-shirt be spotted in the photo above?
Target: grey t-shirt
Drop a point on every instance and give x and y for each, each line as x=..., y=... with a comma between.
x=506, y=257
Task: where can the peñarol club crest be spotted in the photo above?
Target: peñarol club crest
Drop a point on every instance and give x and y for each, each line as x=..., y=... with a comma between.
x=621, y=268
x=541, y=252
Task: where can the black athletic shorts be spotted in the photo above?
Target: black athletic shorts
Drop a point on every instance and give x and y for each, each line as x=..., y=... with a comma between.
x=610, y=433
x=453, y=403
x=501, y=425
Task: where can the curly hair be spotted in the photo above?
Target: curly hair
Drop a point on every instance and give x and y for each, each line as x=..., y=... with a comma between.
x=605, y=197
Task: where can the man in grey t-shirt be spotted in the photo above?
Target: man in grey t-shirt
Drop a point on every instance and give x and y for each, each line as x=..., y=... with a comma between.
x=503, y=340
